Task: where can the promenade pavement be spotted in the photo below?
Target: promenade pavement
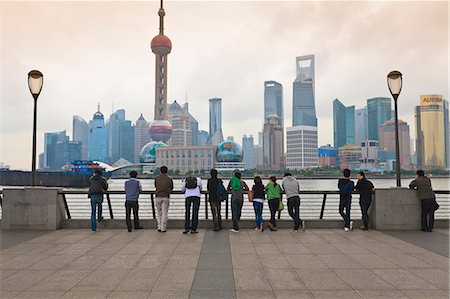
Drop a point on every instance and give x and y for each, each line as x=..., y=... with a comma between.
x=317, y=263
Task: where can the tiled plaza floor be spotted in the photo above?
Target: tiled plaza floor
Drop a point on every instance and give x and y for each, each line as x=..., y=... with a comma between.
x=317, y=263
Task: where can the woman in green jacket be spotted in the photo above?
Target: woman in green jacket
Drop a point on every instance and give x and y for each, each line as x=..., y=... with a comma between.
x=273, y=193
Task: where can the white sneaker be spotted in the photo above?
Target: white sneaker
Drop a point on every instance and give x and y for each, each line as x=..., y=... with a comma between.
x=351, y=225
x=346, y=229
x=234, y=230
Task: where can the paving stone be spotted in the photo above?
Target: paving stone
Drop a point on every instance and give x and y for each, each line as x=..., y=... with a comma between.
x=40, y=294
x=210, y=280
x=322, y=280
x=254, y=294
x=121, y=262
x=362, y=279
x=285, y=280
x=175, y=280
x=428, y=294
x=437, y=277
x=53, y=262
x=88, y=262
x=101, y=280
x=305, y=262
x=129, y=295
x=86, y=294
x=335, y=294
x=286, y=294
x=275, y=261
x=218, y=294
x=402, y=279
x=139, y=280
x=381, y=294
x=182, y=262
x=251, y=280
x=373, y=261
x=179, y=294
x=339, y=261
x=23, y=279
x=61, y=280
x=246, y=261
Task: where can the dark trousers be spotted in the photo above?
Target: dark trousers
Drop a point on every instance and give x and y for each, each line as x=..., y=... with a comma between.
x=236, y=209
x=195, y=202
x=96, y=202
x=132, y=205
x=345, y=203
x=427, y=213
x=215, y=210
x=294, y=210
x=273, y=207
x=365, y=203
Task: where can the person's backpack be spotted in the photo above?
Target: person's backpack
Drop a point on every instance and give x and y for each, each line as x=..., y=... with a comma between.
x=191, y=182
x=347, y=189
x=221, y=191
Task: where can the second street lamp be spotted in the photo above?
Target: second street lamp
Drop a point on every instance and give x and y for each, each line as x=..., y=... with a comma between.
x=394, y=80
x=35, y=82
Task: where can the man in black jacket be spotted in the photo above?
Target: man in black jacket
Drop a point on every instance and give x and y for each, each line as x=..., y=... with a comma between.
x=346, y=186
x=365, y=188
x=98, y=186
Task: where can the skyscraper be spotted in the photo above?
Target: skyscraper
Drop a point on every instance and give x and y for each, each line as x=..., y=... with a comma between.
x=215, y=121
x=50, y=155
x=120, y=138
x=301, y=147
x=202, y=138
x=248, y=148
x=304, y=110
x=431, y=132
x=273, y=100
x=387, y=140
x=98, y=138
x=378, y=111
x=67, y=152
x=343, y=124
x=360, y=125
x=273, y=143
x=181, y=126
x=80, y=132
x=193, y=124
x=141, y=136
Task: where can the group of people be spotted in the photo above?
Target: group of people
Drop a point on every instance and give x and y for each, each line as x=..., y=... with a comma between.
x=272, y=192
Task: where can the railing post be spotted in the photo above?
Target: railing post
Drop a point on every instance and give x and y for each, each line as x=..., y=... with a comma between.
x=226, y=207
x=153, y=205
x=323, y=205
x=109, y=206
x=66, y=207
x=206, y=205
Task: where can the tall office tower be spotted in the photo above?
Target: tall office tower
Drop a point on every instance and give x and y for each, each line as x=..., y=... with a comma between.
x=80, y=132
x=202, y=138
x=160, y=129
x=248, y=148
x=141, y=136
x=66, y=152
x=193, y=124
x=302, y=147
x=360, y=125
x=369, y=154
x=387, y=140
x=181, y=126
x=273, y=100
x=431, y=132
x=50, y=140
x=98, y=138
x=258, y=154
x=378, y=111
x=120, y=138
x=343, y=124
x=273, y=143
x=215, y=121
x=304, y=110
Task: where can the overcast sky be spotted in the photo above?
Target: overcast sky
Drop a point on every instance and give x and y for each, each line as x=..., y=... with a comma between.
x=92, y=52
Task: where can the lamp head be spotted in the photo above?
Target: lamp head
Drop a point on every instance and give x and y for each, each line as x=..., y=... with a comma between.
x=394, y=80
x=35, y=82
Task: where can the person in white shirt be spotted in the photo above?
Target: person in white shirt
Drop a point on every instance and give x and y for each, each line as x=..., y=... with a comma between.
x=192, y=187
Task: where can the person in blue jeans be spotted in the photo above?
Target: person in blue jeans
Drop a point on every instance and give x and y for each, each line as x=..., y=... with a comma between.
x=97, y=187
x=258, y=202
x=346, y=186
x=192, y=188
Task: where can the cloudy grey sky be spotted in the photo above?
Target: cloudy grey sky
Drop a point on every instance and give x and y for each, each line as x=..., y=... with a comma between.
x=94, y=52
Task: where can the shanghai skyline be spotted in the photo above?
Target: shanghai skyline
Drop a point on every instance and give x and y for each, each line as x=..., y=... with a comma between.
x=100, y=61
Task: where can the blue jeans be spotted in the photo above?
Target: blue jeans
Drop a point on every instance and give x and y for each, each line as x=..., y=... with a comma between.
x=195, y=202
x=258, y=206
x=236, y=209
x=345, y=202
x=96, y=199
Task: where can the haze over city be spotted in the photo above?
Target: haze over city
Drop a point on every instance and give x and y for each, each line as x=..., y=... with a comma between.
x=92, y=52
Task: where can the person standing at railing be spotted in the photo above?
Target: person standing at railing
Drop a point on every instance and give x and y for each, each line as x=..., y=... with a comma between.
x=163, y=185
x=425, y=193
x=365, y=188
x=132, y=189
x=273, y=198
x=216, y=191
x=346, y=186
x=237, y=188
x=97, y=187
x=192, y=188
x=292, y=188
x=258, y=202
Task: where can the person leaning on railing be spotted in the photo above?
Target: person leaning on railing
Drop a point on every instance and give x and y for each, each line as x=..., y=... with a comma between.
x=425, y=193
x=192, y=188
x=213, y=185
x=365, y=188
x=132, y=189
x=292, y=188
x=273, y=198
x=97, y=187
x=163, y=186
x=237, y=188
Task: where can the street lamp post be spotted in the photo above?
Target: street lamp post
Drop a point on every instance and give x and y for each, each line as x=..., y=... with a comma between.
x=35, y=82
x=394, y=80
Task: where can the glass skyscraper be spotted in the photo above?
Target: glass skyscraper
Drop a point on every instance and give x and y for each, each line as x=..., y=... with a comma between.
x=80, y=132
x=120, y=138
x=50, y=154
x=343, y=124
x=273, y=100
x=215, y=121
x=304, y=110
x=360, y=125
x=248, y=148
x=378, y=111
x=98, y=138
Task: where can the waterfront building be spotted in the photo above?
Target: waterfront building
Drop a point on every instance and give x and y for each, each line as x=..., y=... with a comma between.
x=258, y=154
x=229, y=157
x=301, y=147
x=327, y=156
x=431, y=135
x=141, y=136
x=98, y=138
x=273, y=100
x=80, y=132
x=181, y=126
x=343, y=124
x=202, y=138
x=378, y=111
x=360, y=125
x=304, y=110
x=66, y=152
x=193, y=124
x=349, y=156
x=50, y=140
x=215, y=122
x=248, y=148
x=273, y=144
x=185, y=160
x=120, y=138
x=385, y=155
x=387, y=140
x=369, y=154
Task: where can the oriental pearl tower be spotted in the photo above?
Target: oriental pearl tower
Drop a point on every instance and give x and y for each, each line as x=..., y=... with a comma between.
x=161, y=129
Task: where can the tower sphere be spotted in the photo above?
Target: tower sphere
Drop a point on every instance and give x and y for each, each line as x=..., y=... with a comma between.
x=160, y=130
x=161, y=45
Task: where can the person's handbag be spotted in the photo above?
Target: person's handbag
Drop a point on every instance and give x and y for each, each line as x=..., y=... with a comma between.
x=251, y=196
x=434, y=205
x=280, y=206
x=221, y=191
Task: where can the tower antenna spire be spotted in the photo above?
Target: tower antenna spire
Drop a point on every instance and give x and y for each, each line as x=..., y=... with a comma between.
x=98, y=106
x=161, y=14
